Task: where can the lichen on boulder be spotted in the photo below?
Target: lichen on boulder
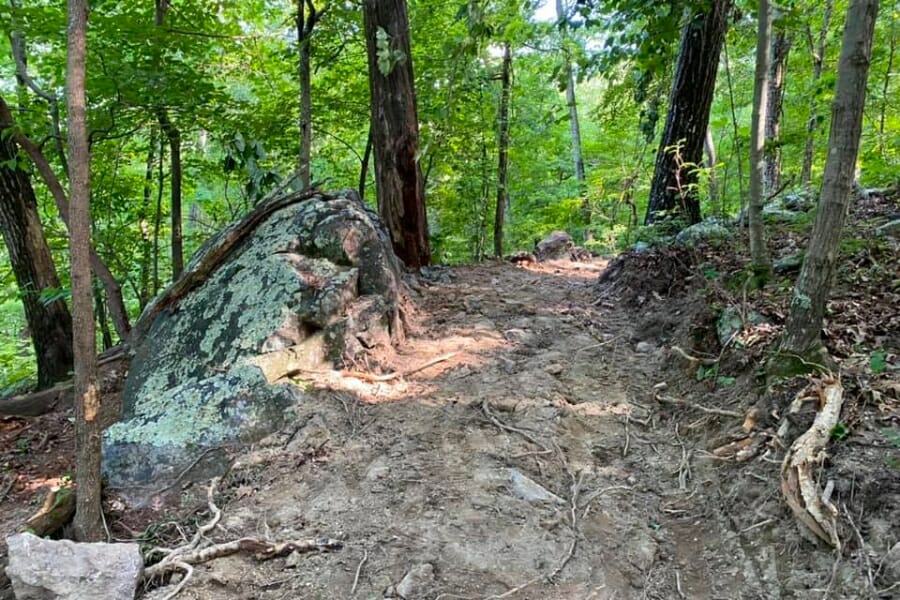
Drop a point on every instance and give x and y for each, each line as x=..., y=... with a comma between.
x=308, y=278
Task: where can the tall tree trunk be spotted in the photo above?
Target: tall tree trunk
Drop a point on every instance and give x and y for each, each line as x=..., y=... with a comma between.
x=709, y=146
x=681, y=148
x=173, y=134
x=110, y=285
x=736, y=137
x=144, y=287
x=32, y=264
x=818, y=56
x=781, y=47
x=801, y=335
x=88, y=523
x=885, y=86
x=157, y=219
x=305, y=25
x=395, y=130
x=759, y=256
x=503, y=151
x=562, y=17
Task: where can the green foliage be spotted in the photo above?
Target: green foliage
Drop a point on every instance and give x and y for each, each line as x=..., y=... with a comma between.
x=878, y=362
x=840, y=432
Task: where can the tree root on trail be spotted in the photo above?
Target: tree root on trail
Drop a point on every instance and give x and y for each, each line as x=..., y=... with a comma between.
x=182, y=558
x=712, y=411
x=798, y=471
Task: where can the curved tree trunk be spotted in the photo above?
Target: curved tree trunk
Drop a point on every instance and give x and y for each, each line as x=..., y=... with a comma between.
x=395, y=130
x=681, y=149
x=801, y=334
x=32, y=264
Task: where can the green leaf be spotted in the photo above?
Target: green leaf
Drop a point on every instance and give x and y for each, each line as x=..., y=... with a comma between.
x=878, y=362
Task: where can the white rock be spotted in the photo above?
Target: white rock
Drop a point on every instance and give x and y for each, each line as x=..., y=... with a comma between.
x=64, y=570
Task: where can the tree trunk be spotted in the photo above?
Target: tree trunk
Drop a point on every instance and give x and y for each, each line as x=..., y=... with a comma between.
x=173, y=134
x=110, y=284
x=395, y=130
x=801, y=335
x=736, y=137
x=885, y=87
x=781, y=46
x=364, y=167
x=681, y=149
x=759, y=256
x=574, y=123
x=175, y=175
x=503, y=151
x=818, y=55
x=709, y=145
x=305, y=25
x=32, y=264
x=144, y=286
x=88, y=523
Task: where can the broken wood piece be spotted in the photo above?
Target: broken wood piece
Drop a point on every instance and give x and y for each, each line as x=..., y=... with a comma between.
x=57, y=510
x=803, y=459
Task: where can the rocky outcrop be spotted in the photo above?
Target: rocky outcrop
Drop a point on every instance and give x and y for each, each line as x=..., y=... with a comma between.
x=63, y=570
x=304, y=280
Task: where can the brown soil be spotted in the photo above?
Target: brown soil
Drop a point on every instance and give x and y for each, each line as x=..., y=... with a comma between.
x=536, y=461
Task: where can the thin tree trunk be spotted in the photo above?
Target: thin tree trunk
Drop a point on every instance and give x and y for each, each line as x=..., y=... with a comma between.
x=738, y=151
x=144, y=288
x=110, y=284
x=885, y=87
x=173, y=134
x=759, y=256
x=157, y=221
x=364, y=167
x=395, y=130
x=571, y=103
x=305, y=25
x=801, y=335
x=100, y=309
x=503, y=151
x=781, y=47
x=818, y=55
x=88, y=523
x=681, y=148
x=709, y=145
x=29, y=255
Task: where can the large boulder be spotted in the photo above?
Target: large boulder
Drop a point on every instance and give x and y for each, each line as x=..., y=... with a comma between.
x=304, y=280
x=42, y=569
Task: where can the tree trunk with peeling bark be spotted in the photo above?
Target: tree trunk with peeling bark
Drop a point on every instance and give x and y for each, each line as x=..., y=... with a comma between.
x=801, y=335
x=88, y=522
x=395, y=130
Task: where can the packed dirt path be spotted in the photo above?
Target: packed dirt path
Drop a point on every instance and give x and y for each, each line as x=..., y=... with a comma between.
x=525, y=463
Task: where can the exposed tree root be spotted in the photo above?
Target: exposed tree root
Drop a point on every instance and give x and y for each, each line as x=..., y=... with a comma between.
x=183, y=558
x=798, y=482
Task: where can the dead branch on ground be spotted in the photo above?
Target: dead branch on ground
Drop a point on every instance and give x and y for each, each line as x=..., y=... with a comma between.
x=57, y=510
x=803, y=459
x=712, y=411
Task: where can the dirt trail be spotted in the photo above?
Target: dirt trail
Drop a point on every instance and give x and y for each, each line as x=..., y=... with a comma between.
x=528, y=465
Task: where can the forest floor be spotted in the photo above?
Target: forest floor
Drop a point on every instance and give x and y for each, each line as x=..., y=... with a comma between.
x=557, y=447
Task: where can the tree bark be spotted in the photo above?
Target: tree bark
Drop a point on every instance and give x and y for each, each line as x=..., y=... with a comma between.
x=88, y=523
x=50, y=323
x=571, y=103
x=801, y=336
x=113, y=290
x=395, y=130
x=818, y=55
x=709, y=146
x=681, y=149
x=364, y=167
x=503, y=151
x=759, y=256
x=781, y=47
x=305, y=25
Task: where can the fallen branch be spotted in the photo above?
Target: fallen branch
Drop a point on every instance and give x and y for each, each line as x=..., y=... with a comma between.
x=57, y=510
x=712, y=411
x=798, y=483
